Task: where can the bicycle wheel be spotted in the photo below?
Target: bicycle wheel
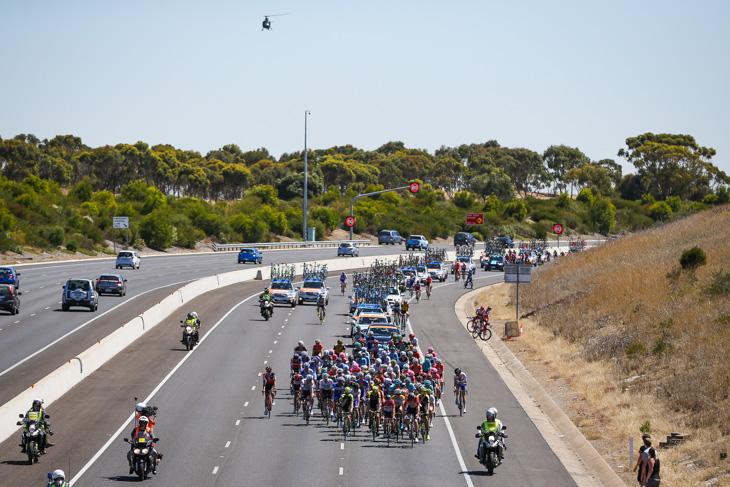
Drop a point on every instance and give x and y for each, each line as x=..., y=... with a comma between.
x=461, y=405
x=470, y=325
x=475, y=332
x=485, y=333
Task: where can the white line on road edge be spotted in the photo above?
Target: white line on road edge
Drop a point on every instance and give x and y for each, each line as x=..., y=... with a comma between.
x=215, y=470
x=228, y=443
x=239, y=421
x=448, y=423
x=152, y=394
x=342, y=471
x=244, y=405
x=84, y=324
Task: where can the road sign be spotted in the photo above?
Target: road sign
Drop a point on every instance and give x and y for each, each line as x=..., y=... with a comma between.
x=414, y=187
x=350, y=221
x=475, y=218
x=518, y=273
x=557, y=228
x=121, y=222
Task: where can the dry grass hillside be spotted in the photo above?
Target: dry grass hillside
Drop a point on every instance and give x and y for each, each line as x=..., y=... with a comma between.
x=635, y=341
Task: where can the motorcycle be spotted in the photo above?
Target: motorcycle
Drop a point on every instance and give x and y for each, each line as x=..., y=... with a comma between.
x=490, y=445
x=188, y=338
x=267, y=309
x=33, y=435
x=142, y=454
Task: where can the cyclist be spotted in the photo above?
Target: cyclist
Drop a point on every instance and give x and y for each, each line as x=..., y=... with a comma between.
x=339, y=347
x=300, y=347
x=268, y=387
x=296, y=387
x=346, y=405
x=404, y=313
x=343, y=282
x=321, y=305
x=389, y=414
x=429, y=285
x=417, y=288
x=396, y=312
x=412, y=404
x=308, y=386
x=317, y=347
x=460, y=385
x=375, y=401
x=469, y=278
x=326, y=388
x=425, y=407
x=295, y=364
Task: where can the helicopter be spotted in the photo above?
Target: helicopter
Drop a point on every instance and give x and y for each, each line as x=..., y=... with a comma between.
x=266, y=24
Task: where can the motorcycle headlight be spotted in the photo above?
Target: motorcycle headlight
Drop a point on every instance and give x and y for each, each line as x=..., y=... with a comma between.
x=189, y=329
x=136, y=451
x=145, y=451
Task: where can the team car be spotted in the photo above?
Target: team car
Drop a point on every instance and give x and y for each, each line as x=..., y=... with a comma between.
x=437, y=270
x=493, y=263
x=310, y=289
x=282, y=292
x=466, y=263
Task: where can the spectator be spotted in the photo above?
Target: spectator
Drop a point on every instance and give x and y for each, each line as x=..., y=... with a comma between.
x=652, y=478
x=643, y=457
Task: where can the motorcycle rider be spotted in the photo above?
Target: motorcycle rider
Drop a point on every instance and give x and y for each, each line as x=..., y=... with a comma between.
x=491, y=424
x=58, y=479
x=141, y=430
x=142, y=409
x=192, y=320
x=38, y=414
x=266, y=296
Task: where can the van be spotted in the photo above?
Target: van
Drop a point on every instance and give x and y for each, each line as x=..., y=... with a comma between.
x=389, y=237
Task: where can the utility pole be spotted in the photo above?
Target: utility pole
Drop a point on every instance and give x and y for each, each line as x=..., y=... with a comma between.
x=304, y=223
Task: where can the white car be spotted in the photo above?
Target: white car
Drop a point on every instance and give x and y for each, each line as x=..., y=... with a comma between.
x=437, y=270
x=421, y=272
x=466, y=264
x=128, y=258
x=394, y=295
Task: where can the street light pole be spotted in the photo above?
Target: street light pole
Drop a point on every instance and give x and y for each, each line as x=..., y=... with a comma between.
x=306, y=112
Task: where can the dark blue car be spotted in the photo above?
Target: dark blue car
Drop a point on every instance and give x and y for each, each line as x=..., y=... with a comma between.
x=250, y=255
x=9, y=276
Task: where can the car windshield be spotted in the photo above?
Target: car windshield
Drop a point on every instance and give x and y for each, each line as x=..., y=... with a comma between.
x=109, y=278
x=393, y=291
x=381, y=330
x=345, y=245
x=281, y=285
x=464, y=259
x=368, y=320
x=385, y=233
x=5, y=291
x=415, y=237
x=433, y=266
x=125, y=254
x=247, y=251
x=5, y=271
x=313, y=284
x=421, y=268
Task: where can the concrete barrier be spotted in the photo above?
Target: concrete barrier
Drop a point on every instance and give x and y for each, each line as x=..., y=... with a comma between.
x=63, y=379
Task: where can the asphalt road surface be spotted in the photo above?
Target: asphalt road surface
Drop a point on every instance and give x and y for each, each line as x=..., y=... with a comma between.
x=210, y=421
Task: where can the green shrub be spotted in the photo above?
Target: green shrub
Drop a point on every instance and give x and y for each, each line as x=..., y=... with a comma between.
x=646, y=427
x=603, y=215
x=56, y=235
x=635, y=350
x=328, y=217
x=516, y=210
x=711, y=199
x=573, y=221
x=72, y=245
x=675, y=203
x=719, y=285
x=540, y=231
x=647, y=199
x=563, y=201
x=723, y=195
x=156, y=230
x=250, y=230
x=492, y=205
x=660, y=211
x=585, y=196
x=464, y=199
x=693, y=258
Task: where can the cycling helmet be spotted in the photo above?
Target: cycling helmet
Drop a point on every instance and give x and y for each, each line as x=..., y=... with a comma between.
x=140, y=407
x=300, y=343
x=298, y=376
x=348, y=390
x=190, y=316
x=310, y=377
x=341, y=379
x=457, y=371
x=424, y=389
x=268, y=368
x=375, y=342
x=430, y=349
x=411, y=335
x=387, y=397
x=411, y=396
x=317, y=341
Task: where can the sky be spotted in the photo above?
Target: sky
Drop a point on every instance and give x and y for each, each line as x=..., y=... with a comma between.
x=200, y=75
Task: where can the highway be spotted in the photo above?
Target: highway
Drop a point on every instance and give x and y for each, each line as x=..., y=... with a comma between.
x=211, y=421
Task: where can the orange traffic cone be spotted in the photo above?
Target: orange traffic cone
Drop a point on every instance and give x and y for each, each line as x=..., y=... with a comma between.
x=520, y=329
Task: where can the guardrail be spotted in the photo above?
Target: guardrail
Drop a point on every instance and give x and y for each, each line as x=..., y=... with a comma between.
x=287, y=245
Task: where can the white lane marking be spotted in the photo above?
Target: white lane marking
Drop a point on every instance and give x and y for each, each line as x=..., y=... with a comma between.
x=228, y=443
x=33, y=314
x=271, y=351
x=286, y=319
x=342, y=471
x=239, y=421
x=253, y=388
x=14, y=322
x=48, y=307
x=266, y=362
x=85, y=324
x=124, y=425
x=244, y=405
x=259, y=374
x=41, y=287
x=462, y=464
x=275, y=342
x=279, y=333
x=342, y=446
x=282, y=326
x=215, y=470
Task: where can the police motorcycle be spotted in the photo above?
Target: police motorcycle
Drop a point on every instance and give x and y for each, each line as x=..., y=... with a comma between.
x=33, y=434
x=490, y=446
x=190, y=331
x=267, y=307
x=142, y=454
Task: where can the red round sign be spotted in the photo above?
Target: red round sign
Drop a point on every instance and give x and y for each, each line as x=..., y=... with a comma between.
x=558, y=228
x=350, y=221
x=415, y=187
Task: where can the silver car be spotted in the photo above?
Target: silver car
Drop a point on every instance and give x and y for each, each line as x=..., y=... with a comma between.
x=128, y=258
x=347, y=248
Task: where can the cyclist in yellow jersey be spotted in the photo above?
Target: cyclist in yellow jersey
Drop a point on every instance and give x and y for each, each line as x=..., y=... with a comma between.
x=425, y=404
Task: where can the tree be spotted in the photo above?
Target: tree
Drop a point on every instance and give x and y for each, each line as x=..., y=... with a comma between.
x=660, y=211
x=493, y=181
x=603, y=215
x=672, y=165
x=156, y=230
x=560, y=159
x=526, y=170
x=590, y=176
x=585, y=196
x=516, y=209
x=464, y=199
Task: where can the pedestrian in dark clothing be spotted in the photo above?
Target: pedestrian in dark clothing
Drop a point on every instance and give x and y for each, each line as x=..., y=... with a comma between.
x=643, y=457
x=651, y=471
